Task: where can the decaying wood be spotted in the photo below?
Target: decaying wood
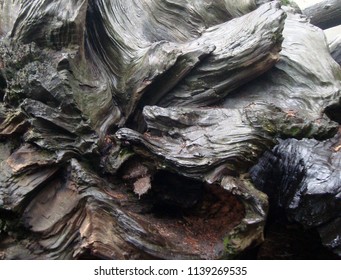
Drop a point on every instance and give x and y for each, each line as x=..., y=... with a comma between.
x=325, y=14
x=296, y=85
x=335, y=49
x=303, y=177
x=127, y=128
x=9, y=10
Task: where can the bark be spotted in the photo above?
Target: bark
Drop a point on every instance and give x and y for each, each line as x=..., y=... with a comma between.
x=127, y=128
x=325, y=14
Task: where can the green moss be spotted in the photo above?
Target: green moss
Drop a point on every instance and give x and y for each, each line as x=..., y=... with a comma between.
x=226, y=242
x=125, y=153
x=229, y=248
x=285, y=2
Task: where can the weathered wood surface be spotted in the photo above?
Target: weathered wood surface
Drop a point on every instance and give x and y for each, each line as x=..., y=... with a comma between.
x=125, y=135
x=303, y=178
x=9, y=10
x=296, y=86
x=325, y=14
x=335, y=49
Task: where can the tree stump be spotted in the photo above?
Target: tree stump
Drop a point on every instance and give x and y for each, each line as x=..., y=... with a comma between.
x=128, y=128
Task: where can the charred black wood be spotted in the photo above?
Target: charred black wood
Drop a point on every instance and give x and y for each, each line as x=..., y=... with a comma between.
x=303, y=178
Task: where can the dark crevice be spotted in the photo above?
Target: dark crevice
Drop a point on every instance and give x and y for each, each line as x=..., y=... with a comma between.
x=288, y=241
x=175, y=191
x=334, y=112
x=3, y=85
x=195, y=216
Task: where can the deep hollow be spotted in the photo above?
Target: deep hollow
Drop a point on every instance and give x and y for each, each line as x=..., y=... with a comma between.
x=192, y=215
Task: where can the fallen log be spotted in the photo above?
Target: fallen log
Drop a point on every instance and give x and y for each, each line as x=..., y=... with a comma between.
x=325, y=14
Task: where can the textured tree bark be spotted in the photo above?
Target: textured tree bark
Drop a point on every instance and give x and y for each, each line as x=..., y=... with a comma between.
x=127, y=128
x=325, y=14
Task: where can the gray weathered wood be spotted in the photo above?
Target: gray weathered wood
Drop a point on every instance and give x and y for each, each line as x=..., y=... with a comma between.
x=9, y=10
x=69, y=186
x=325, y=14
x=127, y=128
x=335, y=49
x=296, y=84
